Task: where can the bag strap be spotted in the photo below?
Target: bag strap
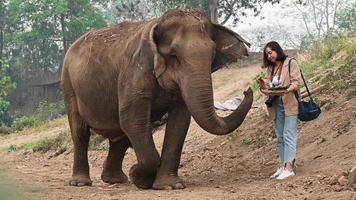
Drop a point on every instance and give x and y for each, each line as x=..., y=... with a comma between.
x=272, y=72
x=305, y=83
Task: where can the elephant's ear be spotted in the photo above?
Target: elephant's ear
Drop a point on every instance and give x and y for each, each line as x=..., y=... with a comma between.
x=230, y=47
x=147, y=53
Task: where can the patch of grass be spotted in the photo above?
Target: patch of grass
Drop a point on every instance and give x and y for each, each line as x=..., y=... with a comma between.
x=257, y=141
x=48, y=111
x=95, y=142
x=26, y=122
x=4, y=130
x=44, y=145
x=332, y=63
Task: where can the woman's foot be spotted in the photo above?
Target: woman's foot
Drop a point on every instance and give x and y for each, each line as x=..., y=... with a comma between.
x=287, y=171
x=285, y=174
x=277, y=173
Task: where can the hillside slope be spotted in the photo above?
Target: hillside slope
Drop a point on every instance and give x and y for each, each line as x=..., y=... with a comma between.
x=236, y=166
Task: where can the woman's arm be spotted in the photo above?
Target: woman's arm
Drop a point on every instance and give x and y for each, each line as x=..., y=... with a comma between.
x=295, y=76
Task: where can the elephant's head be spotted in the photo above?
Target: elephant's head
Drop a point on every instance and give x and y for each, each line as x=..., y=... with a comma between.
x=185, y=48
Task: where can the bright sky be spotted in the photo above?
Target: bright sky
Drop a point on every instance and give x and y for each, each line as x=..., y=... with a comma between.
x=284, y=14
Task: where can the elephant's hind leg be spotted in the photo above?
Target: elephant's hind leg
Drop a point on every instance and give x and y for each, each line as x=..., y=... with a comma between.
x=80, y=136
x=112, y=172
x=176, y=130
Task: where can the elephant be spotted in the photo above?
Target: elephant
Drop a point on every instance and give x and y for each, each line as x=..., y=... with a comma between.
x=116, y=81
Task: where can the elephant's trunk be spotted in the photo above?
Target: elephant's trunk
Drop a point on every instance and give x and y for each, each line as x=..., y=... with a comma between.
x=197, y=92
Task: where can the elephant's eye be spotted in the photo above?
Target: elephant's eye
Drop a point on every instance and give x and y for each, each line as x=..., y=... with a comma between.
x=173, y=54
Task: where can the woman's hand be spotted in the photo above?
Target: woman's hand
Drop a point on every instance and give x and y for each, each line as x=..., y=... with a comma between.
x=290, y=89
x=262, y=84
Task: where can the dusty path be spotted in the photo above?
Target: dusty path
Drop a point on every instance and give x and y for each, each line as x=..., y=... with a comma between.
x=226, y=167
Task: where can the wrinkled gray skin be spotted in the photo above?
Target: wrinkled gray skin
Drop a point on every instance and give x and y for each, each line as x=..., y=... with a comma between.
x=117, y=81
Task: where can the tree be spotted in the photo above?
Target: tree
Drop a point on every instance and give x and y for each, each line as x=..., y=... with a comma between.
x=217, y=9
x=6, y=85
x=2, y=22
x=38, y=30
x=235, y=9
x=135, y=10
x=346, y=18
x=37, y=35
x=319, y=16
x=214, y=10
x=273, y=32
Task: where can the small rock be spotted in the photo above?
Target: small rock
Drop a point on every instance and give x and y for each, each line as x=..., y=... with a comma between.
x=337, y=188
x=352, y=176
x=207, y=149
x=27, y=152
x=343, y=180
x=113, y=185
x=317, y=156
x=321, y=140
x=334, y=179
x=311, y=182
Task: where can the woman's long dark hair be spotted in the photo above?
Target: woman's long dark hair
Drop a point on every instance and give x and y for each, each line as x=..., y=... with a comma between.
x=274, y=46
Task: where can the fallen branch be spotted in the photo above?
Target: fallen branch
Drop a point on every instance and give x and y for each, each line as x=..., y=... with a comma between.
x=313, y=91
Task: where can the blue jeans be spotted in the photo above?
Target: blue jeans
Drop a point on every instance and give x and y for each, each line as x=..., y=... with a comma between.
x=286, y=131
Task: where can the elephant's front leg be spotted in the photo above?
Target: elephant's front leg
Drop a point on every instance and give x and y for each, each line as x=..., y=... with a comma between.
x=135, y=121
x=176, y=130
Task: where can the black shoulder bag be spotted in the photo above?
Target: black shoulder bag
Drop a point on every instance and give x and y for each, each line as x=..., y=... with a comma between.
x=308, y=110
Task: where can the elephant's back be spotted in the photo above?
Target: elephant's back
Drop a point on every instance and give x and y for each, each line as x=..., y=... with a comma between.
x=118, y=33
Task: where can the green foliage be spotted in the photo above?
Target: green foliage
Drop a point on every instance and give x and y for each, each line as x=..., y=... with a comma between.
x=26, y=122
x=5, y=130
x=41, y=29
x=346, y=18
x=95, y=142
x=169, y=4
x=44, y=145
x=37, y=34
x=332, y=62
x=48, y=111
x=6, y=85
x=254, y=85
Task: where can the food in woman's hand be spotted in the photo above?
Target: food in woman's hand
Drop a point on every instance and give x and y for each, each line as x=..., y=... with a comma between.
x=279, y=88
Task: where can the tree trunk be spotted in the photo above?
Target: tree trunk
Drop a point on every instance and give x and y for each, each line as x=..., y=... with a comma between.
x=64, y=41
x=214, y=11
x=2, y=23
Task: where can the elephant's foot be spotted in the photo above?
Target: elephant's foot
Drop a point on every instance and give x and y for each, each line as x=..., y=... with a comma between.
x=80, y=180
x=141, y=177
x=168, y=182
x=113, y=177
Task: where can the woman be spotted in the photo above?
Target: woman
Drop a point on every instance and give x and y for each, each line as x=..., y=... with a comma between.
x=283, y=109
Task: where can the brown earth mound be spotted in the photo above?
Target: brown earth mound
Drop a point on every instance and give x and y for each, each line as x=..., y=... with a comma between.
x=236, y=166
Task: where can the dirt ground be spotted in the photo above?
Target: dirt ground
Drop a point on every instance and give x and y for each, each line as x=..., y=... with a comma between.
x=236, y=166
